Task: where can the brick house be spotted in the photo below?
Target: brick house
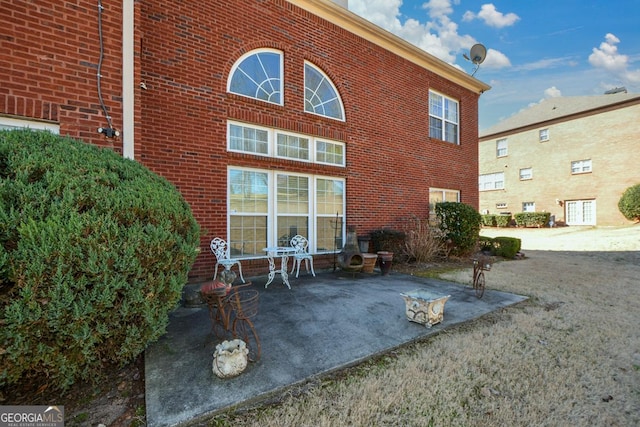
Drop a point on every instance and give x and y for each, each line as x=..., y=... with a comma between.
x=271, y=117
x=570, y=156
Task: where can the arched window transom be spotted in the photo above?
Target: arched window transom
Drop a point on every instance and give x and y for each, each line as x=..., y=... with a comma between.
x=258, y=74
x=320, y=94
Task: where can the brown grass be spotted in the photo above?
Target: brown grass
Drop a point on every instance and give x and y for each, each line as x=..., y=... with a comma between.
x=570, y=355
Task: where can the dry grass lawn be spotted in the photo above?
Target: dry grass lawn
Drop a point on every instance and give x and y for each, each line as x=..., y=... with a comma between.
x=569, y=356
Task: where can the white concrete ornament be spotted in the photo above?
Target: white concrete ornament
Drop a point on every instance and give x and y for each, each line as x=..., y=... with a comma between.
x=230, y=358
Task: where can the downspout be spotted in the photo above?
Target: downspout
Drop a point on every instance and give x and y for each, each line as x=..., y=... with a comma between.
x=128, y=85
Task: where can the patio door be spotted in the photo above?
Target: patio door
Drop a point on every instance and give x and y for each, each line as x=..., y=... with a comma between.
x=581, y=212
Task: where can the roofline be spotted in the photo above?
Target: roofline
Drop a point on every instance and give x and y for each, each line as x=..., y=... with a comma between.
x=566, y=118
x=342, y=17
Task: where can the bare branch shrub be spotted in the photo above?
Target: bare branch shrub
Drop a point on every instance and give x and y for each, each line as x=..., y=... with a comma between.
x=423, y=242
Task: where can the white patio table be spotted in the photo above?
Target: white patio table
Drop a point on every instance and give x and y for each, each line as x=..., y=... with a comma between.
x=283, y=253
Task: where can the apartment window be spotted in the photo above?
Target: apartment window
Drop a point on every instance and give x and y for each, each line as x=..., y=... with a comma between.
x=526, y=173
x=501, y=147
x=501, y=206
x=438, y=195
x=16, y=123
x=258, y=75
x=252, y=139
x=320, y=95
x=543, y=135
x=528, y=207
x=443, y=118
x=268, y=208
x=491, y=181
x=581, y=166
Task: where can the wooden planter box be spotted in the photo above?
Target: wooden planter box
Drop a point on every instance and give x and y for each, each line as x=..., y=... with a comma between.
x=424, y=307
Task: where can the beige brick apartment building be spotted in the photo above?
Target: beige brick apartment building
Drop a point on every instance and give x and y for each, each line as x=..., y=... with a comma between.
x=570, y=156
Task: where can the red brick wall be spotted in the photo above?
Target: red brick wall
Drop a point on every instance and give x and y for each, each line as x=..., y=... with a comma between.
x=184, y=53
x=391, y=162
x=49, y=54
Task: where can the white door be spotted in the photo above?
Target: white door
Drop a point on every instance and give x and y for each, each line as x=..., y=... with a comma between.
x=581, y=212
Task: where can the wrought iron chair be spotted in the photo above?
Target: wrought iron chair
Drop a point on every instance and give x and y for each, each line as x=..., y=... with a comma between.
x=221, y=250
x=301, y=244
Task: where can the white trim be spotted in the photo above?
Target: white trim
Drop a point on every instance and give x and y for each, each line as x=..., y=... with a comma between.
x=128, y=83
x=22, y=123
x=251, y=53
x=335, y=89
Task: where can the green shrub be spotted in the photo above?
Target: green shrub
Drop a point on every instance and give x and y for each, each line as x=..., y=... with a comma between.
x=629, y=203
x=503, y=220
x=460, y=224
x=489, y=220
x=506, y=247
x=532, y=219
x=94, y=252
x=485, y=245
x=388, y=240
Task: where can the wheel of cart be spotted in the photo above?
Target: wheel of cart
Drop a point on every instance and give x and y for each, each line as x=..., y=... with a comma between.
x=245, y=307
x=480, y=265
x=220, y=311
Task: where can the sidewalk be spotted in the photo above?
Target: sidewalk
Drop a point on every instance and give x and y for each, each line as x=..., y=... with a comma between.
x=321, y=325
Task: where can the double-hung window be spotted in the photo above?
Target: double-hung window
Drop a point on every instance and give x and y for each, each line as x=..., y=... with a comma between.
x=526, y=173
x=443, y=118
x=501, y=147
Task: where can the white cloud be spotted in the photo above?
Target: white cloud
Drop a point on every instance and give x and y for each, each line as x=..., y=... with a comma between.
x=490, y=15
x=552, y=92
x=439, y=36
x=607, y=57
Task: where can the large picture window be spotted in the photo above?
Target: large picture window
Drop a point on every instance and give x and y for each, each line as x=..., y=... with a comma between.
x=443, y=118
x=258, y=74
x=320, y=95
x=268, y=208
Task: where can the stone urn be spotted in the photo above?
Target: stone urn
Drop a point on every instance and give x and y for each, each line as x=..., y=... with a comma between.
x=230, y=358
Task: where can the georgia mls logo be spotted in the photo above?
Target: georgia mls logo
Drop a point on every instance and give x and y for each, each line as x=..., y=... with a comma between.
x=31, y=416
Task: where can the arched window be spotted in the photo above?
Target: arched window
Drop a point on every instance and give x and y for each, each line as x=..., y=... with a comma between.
x=320, y=95
x=258, y=74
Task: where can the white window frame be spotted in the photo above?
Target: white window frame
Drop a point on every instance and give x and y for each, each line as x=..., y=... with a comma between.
x=543, y=135
x=268, y=85
x=528, y=206
x=502, y=147
x=581, y=166
x=315, y=144
x=444, y=118
x=313, y=103
x=526, y=174
x=272, y=214
x=25, y=123
x=501, y=205
x=491, y=181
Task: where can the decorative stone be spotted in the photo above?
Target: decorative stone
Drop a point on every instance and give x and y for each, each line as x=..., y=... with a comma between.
x=230, y=358
x=424, y=307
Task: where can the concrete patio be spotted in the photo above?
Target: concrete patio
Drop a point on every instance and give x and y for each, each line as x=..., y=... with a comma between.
x=323, y=324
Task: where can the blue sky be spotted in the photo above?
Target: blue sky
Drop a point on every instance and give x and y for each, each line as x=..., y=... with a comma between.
x=535, y=49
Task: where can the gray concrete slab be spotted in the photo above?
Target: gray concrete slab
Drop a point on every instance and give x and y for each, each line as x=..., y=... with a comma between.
x=322, y=324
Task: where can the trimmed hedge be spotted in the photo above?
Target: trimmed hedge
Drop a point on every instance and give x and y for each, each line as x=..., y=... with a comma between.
x=460, y=224
x=506, y=247
x=532, y=219
x=94, y=253
x=629, y=203
x=493, y=220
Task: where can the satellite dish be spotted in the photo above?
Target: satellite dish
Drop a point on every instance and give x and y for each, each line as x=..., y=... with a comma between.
x=477, y=54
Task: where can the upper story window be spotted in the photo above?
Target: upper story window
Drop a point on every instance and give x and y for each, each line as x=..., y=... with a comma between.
x=501, y=147
x=543, y=135
x=491, y=181
x=443, y=118
x=320, y=95
x=581, y=166
x=258, y=74
x=526, y=173
x=253, y=139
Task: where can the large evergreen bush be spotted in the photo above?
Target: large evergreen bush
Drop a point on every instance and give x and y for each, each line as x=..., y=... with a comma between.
x=461, y=225
x=94, y=252
x=629, y=203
